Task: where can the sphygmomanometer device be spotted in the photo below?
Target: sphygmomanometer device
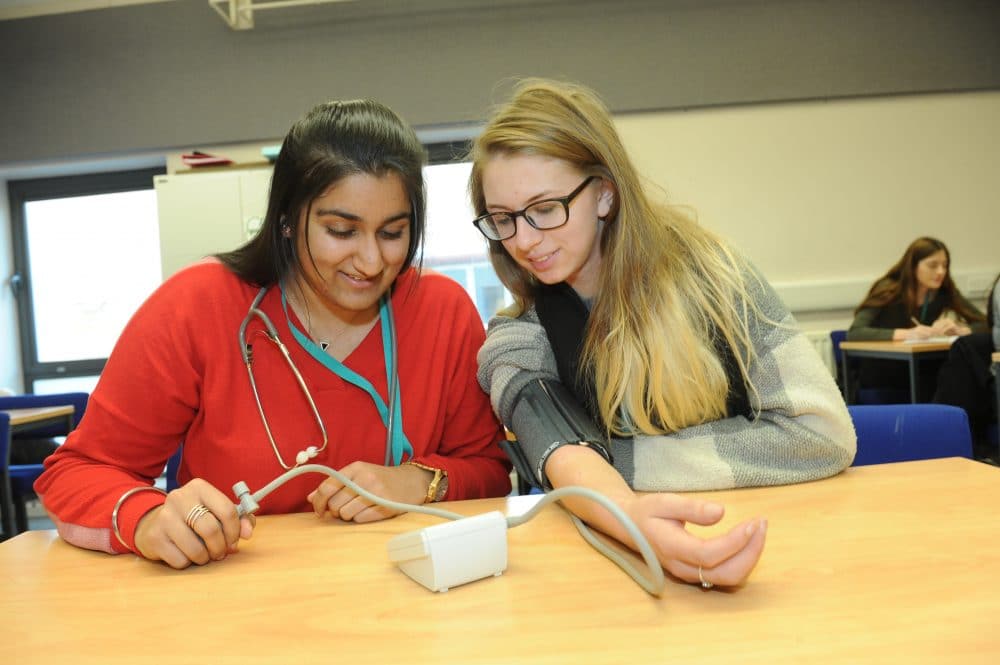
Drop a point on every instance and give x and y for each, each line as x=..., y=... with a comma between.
x=467, y=549
x=556, y=420
x=453, y=553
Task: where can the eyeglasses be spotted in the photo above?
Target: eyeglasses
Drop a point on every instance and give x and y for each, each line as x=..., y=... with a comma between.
x=542, y=215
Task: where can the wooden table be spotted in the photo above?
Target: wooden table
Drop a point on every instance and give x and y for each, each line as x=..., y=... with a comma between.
x=913, y=353
x=882, y=564
x=24, y=420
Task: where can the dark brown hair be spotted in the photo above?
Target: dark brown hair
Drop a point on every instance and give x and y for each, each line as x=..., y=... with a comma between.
x=899, y=284
x=331, y=142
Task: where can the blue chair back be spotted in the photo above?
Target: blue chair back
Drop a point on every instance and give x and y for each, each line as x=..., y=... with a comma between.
x=78, y=400
x=173, y=465
x=903, y=432
x=870, y=395
x=15, y=485
x=4, y=439
x=16, y=480
x=836, y=337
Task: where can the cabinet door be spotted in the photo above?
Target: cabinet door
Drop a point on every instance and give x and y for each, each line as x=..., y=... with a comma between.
x=204, y=213
x=255, y=186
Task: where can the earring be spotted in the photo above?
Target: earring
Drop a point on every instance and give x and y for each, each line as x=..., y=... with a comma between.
x=286, y=230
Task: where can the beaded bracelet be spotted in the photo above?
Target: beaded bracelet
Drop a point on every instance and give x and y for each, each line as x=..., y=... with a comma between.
x=114, y=513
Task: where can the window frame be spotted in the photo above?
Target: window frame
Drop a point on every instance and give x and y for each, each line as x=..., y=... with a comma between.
x=22, y=192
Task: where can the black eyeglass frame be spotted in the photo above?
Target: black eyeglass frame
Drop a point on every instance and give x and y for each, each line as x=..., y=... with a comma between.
x=523, y=212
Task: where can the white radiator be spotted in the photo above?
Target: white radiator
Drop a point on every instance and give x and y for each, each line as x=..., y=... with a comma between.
x=820, y=339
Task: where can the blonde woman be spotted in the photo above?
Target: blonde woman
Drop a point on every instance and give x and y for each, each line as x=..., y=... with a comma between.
x=641, y=335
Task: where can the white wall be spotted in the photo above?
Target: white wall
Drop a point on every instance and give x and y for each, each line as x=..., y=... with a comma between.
x=822, y=196
x=825, y=196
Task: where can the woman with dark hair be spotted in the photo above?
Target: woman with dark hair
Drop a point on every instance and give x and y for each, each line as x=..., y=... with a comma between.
x=915, y=300
x=316, y=342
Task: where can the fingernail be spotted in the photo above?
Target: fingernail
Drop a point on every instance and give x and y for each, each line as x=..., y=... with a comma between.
x=751, y=528
x=763, y=526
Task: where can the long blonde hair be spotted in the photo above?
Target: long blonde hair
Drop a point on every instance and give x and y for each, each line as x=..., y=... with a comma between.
x=670, y=293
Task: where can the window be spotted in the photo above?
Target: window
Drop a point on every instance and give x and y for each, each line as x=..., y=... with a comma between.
x=452, y=245
x=86, y=254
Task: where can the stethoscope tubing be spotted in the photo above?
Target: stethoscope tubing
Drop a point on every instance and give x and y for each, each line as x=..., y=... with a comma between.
x=271, y=332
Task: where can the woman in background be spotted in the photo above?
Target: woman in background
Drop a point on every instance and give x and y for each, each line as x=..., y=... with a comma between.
x=915, y=299
x=689, y=370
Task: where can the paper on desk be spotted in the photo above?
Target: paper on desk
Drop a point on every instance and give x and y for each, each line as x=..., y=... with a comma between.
x=930, y=340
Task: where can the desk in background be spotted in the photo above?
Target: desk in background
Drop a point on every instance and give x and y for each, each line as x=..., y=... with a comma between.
x=912, y=353
x=882, y=564
x=21, y=421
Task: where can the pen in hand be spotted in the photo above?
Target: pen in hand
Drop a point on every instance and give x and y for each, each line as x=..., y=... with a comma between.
x=916, y=322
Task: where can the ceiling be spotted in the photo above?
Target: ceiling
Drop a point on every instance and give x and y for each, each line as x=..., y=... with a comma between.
x=11, y=9
x=305, y=10
x=14, y=9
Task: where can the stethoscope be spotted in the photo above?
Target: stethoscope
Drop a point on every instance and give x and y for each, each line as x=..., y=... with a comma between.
x=396, y=444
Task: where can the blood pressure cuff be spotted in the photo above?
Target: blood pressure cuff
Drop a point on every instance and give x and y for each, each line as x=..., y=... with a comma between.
x=546, y=417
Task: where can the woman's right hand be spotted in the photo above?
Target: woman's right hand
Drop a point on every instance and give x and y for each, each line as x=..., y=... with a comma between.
x=725, y=560
x=163, y=535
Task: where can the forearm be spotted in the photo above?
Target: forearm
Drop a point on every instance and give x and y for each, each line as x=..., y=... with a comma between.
x=80, y=495
x=863, y=327
x=802, y=432
x=583, y=467
x=473, y=476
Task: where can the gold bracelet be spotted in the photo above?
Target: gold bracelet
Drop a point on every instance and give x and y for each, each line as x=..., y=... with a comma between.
x=114, y=513
x=439, y=483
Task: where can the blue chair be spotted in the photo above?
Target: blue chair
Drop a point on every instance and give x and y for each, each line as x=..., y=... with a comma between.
x=861, y=395
x=16, y=480
x=903, y=432
x=173, y=464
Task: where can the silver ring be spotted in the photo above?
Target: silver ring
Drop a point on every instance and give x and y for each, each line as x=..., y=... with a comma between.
x=705, y=584
x=197, y=511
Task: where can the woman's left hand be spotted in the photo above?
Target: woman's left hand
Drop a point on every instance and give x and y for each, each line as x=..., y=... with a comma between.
x=948, y=327
x=404, y=484
x=722, y=560
x=943, y=326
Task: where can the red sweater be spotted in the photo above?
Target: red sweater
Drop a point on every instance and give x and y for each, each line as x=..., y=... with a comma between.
x=176, y=376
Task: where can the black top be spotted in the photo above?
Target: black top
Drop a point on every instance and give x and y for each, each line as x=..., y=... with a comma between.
x=564, y=316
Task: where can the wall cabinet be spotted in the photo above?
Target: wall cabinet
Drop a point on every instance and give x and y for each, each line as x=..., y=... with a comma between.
x=204, y=213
